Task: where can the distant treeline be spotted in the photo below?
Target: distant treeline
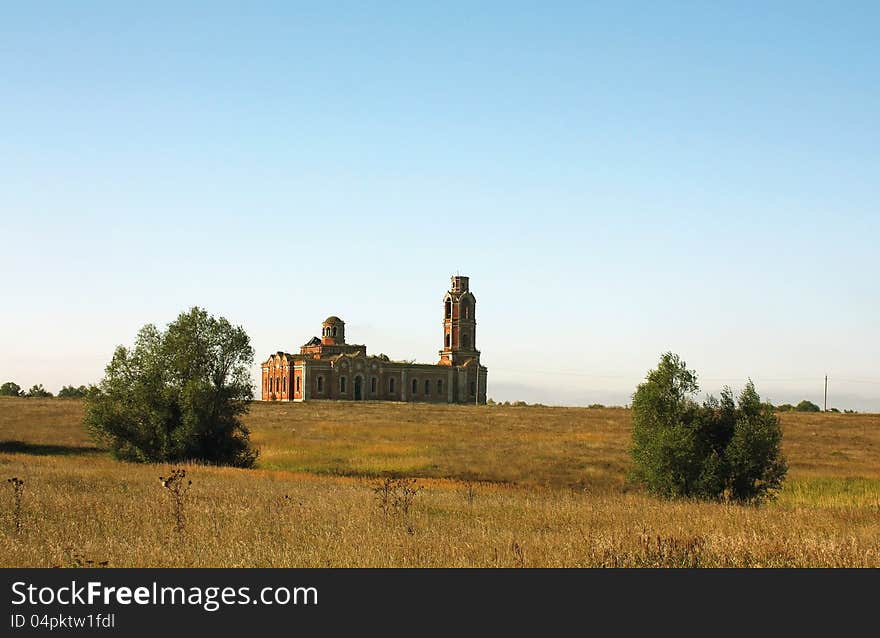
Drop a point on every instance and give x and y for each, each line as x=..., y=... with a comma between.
x=525, y=404
x=12, y=389
x=803, y=406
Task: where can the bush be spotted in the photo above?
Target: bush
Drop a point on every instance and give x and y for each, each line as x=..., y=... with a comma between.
x=71, y=392
x=38, y=392
x=807, y=406
x=177, y=395
x=722, y=449
x=785, y=407
x=10, y=389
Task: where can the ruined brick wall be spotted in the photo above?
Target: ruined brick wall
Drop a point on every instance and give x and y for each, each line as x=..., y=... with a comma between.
x=276, y=378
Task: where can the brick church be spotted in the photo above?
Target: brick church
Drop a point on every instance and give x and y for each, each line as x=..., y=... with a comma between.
x=331, y=369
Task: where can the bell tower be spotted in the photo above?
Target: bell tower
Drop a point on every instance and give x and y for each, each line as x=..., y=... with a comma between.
x=459, y=324
x=333, y=331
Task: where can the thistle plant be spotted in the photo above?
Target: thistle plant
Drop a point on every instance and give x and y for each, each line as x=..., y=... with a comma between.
x=396, y=495
x=18, y=492
x=177, y=485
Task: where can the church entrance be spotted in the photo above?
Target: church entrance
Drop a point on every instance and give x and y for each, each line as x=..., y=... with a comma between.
x=358, y=388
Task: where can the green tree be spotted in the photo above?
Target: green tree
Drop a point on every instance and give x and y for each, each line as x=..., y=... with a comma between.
x=665, y=454
x=807, y=406
x=720, y=449
x=10, y=389
x=755, y=465
x=38, y=392
x=177, y=395
x=72, y=392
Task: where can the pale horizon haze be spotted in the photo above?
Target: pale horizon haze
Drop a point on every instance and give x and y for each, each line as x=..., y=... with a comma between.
x=617, y=180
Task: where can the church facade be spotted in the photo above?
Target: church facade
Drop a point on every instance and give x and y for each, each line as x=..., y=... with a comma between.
x=328, y=368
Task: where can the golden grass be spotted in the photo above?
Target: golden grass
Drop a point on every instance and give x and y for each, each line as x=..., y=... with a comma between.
x=551, y=491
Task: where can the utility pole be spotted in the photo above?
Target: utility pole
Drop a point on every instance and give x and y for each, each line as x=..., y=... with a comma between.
x=825, y=406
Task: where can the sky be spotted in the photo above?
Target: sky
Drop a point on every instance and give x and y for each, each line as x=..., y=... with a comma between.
x=618, y=180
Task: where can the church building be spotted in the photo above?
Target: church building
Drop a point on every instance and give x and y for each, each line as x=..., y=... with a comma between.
x=328, y=368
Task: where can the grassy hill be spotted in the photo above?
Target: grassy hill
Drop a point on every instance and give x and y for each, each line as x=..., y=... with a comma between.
x=500, y=486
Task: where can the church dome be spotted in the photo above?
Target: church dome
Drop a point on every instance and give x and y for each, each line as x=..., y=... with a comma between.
x=332, y=320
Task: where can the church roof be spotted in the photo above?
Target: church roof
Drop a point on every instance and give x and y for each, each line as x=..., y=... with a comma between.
x=333, y=319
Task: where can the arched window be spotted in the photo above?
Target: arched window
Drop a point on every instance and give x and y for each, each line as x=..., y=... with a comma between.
x=270, y=384
x=298, y=386
x=427, y=387
x=447, y=339
x=465, y=311
x=342, y=383
x=415, y=386
x=449, y=308
x=473, y=388
x=465, y=340
x=320, y=384
x=284, y=386
x=440, y=386
x=334, y=331
x=391, y=385
x=373, y=385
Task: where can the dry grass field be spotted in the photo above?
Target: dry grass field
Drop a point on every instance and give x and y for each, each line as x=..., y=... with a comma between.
x=500, y=486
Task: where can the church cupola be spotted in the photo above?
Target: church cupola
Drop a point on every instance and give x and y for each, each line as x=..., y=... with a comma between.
x=333, y=331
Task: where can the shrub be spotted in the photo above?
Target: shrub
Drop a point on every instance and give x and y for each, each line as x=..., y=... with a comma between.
x=722, y=449
x=38, y=392
x=177, y=395
x=807, y=406
x=785, y=407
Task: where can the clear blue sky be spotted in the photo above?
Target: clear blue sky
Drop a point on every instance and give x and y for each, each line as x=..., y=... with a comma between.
x=618, y=179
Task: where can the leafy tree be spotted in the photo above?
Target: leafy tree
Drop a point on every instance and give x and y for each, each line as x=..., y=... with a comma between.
x=664, y=450
x=720, y=449
x=72, y=392
x=807, y=406
x=756, y=467
x=177, y=395
x=38, y=392
x=10, y=389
